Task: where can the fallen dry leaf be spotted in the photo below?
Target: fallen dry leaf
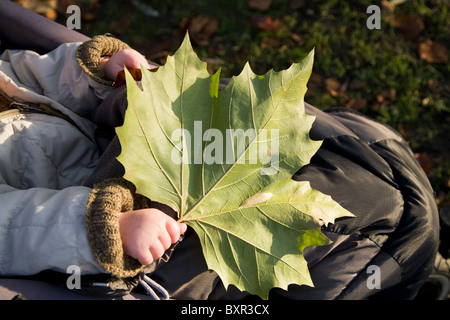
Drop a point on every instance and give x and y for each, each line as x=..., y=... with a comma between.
x=433, y=52
x=409, y=26
x=387, y=5
x=261, y=5
x=388, y=95
x=355, y=84
x=200, y=28
x=356, y=104
x=436, y=87
x=334, y=87
x=266, y=23
x=424, y=161
x=269, y=42
x=46, y=8
x=298, y=4
x=297, y=37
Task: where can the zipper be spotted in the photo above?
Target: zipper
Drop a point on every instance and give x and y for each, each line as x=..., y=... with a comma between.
x=11, y=104
x=7, y=106
x=15, y=107
x=24, y=107
x=7, y=103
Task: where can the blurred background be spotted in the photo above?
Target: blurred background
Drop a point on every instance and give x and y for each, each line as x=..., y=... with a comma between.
x=398, y=74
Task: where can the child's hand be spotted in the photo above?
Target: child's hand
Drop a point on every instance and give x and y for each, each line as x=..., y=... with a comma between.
x=129, y=58
x=147, y=233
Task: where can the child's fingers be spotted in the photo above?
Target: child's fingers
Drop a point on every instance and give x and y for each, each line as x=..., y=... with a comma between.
x=174, y=229
x=129, y=58
x=157, y=250
x=144, y=256
x=165, y=240
x=183, y=227
x=133, y=59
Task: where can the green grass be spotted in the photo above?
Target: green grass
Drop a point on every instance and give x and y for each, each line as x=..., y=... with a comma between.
x=373, y=65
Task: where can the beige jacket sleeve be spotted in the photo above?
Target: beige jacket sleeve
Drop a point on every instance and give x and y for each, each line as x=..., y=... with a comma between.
x=44, y=161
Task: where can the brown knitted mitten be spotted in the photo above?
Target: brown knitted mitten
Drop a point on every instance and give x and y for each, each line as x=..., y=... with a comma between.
x=90, y=52
x=107, y=200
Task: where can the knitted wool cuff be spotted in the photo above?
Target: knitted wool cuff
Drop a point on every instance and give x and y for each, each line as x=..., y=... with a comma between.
x=106, y=202
x=89, y=54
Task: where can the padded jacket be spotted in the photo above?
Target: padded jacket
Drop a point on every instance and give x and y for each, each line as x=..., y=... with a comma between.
x=370, y=170
x=44, y=161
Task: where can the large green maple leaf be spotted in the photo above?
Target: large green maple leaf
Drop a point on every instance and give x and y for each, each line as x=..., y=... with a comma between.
x=224, y=161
